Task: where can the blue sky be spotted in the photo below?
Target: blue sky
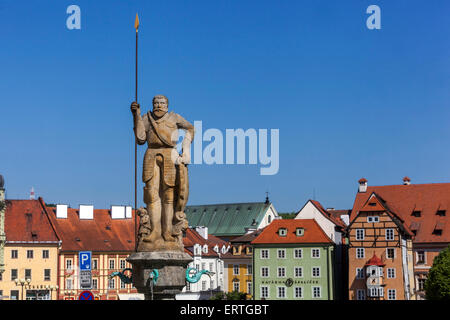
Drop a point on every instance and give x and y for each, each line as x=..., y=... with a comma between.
x=349, y=102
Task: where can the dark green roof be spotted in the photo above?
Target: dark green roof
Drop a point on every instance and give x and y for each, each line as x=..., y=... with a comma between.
x=229, y=219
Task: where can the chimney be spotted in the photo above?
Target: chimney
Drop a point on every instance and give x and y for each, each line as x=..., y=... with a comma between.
x=362, y=185
x=406, y=181
x=203, y=231
x=61, y=211
x=32, y=194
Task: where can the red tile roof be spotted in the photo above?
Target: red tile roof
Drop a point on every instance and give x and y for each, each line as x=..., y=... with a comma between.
x=193, y=237
x=374, y=261
x=403, y=199
x=25, y=220
x=99, y=234
x=312, y=232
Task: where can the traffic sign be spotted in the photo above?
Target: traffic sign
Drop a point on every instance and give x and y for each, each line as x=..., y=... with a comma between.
x=85, y=260
x=86, y=295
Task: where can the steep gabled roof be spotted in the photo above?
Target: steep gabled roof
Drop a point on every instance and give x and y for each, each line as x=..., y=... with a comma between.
x=26, y=220
x=312, y=232
x=402, y=200
x=192, y=238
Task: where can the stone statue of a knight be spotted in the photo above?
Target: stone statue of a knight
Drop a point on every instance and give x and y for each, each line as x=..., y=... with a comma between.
x=165, y=175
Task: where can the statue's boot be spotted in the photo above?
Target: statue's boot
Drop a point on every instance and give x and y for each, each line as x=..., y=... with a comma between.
x=167, y=222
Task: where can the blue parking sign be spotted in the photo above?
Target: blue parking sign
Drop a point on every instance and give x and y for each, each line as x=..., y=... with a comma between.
x=84, y=257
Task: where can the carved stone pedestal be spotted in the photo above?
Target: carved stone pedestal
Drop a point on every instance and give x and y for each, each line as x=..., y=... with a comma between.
x=171, y=267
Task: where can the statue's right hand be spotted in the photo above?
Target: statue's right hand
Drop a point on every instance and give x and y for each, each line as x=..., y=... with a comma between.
x=135, y=108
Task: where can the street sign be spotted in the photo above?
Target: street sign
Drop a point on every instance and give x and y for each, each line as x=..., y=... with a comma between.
x=85, y=258
x=86, y=295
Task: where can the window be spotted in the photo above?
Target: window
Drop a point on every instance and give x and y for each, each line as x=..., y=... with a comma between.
x=14, y=254
x=299, y=232
x=269, y=219
x=14, y=295
x=298, y=272
x=315, y=272
x=249, y=269
x=316, y=292
x=281, y=292
x=111, y=283
x=315, y=253
x=389, y=234
x=373, y=219
x=122, y=264
x=69, y=284
x=264, y=254
x=391, y=273
x=421, y=284
x=416, y=213
x=211, y=266
x=360, y=294
x=13, y=274
x=264, y=272
x=46, y=274
x=94, y=264
x=45, y=254
x=235, y=269
x=390, y=253
x=440, y=213
x=234, y=286
x=298, y=292
x=392, y=295
x=281, y=272
x=360, y=253
x=281, y=253
x=112, y=264
x=264, y=292
x=94, y=284
x=282, y=232
x=29, y=254
x=421, y=257
x=27, y=273
x=122, y=285
x=359, y=234
x=373, y=292
x=298, y=253
x=359, y=273
x=69, y=264
x=249, y=287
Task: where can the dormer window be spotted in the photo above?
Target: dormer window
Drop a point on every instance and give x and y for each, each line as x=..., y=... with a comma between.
x=205, y=249
x=299, y=232
x=440, y=213
x=282, y=232
x=416, y=213
x=373, y=219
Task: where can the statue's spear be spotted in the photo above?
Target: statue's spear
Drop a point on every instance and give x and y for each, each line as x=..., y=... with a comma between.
x=136, y=26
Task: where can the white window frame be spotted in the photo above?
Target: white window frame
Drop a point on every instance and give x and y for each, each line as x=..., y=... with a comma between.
x=373, y=219
x=249, y=269
x=122, y=264
x=283, y=271
x=284, y=292
x=261, y=290
x=296, y=251
x=236, y=286
x=315, y=250
x=264, y=254
x=234, y=270
x=360, y=234
x=358, y=256
x=111, y=264
x=392, y=294
x=320, y=292
x=262, y=272
x=395, y=253
x=69, y=264
x=295, y=292
x=391, y=273
x=281, y=253
x=295, y=272
x=390, y=234
x=312, y=272
x=282, y=232
x=249, y=287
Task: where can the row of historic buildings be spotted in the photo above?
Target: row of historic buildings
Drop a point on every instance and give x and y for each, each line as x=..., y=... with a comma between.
x=382, y=248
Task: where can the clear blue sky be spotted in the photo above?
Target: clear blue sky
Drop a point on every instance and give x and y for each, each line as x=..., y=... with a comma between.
x=349, y=102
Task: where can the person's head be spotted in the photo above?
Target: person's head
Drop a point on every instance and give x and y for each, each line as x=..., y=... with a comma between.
x=160, y=105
